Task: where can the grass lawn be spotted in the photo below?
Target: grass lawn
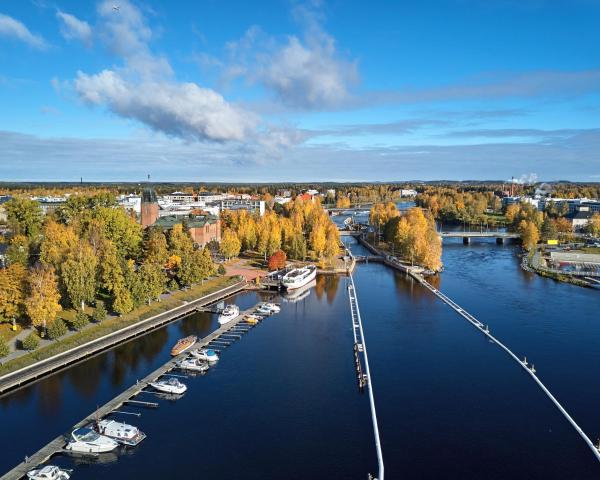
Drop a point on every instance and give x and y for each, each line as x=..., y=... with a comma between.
x=591, y=250
x=112, y=324
x=6, y=331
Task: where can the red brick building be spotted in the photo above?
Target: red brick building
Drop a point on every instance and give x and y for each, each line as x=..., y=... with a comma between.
x=149, y=207
x=203, y=228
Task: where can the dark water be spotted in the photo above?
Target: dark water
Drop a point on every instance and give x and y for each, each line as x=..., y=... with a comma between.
x=282, y=402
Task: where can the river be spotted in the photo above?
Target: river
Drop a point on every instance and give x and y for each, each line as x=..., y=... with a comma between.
x=282, y=402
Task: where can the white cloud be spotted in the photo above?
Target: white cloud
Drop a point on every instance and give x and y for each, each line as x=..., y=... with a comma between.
x=73, y=28
x=9, y=27
x=181, y=109
x=305, y=72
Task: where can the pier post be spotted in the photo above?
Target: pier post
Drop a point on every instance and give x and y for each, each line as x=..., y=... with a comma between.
x=466, y=240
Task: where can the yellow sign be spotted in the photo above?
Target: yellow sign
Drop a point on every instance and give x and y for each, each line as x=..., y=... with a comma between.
x=552, y=242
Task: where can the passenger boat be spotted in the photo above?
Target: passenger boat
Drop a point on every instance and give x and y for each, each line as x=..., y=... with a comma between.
x=169, y=385
x=183, y=344
x=86, y=440
x=298, y=277
x=49, y=472
x=121, y=432
x=206, y=354
x=228, y=314
x=193, y=364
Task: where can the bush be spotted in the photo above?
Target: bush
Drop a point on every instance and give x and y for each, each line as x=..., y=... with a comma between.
x=221, y=269
x=4, y=350
x=173, y=285
x=31, y=342
x=57, y=329
x=100, y=312
x=81, y=320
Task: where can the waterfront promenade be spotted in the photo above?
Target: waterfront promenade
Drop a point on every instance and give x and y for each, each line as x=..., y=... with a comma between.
x=23, y=376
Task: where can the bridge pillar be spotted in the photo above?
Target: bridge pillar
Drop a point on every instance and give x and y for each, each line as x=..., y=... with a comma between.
x=499, y=240
x=466, y=240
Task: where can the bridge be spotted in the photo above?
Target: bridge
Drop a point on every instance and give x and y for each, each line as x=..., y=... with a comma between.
x=467, y=236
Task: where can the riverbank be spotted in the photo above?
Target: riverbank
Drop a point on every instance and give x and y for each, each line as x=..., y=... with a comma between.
x=532, y=263
x=99, y=337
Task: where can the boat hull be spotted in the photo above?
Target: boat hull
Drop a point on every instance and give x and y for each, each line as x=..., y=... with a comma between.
x=302, y=282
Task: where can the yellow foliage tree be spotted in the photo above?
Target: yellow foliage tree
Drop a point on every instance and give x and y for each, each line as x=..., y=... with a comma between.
x=42, y=303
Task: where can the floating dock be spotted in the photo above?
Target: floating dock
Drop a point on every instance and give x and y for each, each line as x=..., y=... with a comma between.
x=238, y=326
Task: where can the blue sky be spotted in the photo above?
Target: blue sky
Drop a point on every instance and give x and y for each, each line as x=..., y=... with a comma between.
x=310, y=91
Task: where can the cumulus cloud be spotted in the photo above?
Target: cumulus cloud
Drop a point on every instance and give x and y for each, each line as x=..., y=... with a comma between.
x=72, y=28
x=181, y=109
x=144, y=88
x=10, y=27
x=307, y=72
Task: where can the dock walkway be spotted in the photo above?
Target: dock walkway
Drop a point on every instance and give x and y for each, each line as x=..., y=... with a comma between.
x=23, y=376
x=56, y=446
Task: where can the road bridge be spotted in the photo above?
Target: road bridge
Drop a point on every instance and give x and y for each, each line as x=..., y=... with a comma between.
x=500, y=236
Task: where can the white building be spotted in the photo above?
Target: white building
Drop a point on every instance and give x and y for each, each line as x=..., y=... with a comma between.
x=131, y=203
x=408, y=193
x=253, y=206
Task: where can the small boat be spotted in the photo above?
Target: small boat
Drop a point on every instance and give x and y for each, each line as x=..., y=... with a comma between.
x=169, y=385
x=252, y=319
x=121, y=432
x=298, y=277
x=193, y=364
x=228, y=314
x=206, y=354
x=269, y=307
x=183, y=344
x=49, y=472
x=86, y=440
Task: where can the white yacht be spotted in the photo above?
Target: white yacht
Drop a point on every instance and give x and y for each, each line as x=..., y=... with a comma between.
x=49, y=472
x=229, y=313
x=298, y=277
x=206, y=354
x=169, y=385
x=193, y=364
x=85, y=440
x=120, y=432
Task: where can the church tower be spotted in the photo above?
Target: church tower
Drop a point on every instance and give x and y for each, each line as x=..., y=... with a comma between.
x=149, y=207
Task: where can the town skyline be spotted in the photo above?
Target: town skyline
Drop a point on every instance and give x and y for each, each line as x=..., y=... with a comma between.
x=299, y=91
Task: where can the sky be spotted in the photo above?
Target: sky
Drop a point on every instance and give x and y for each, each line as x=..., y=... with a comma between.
x=286, y=90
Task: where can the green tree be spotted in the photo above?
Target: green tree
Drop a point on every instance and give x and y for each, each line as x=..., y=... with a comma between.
x=31, y=341
x=4, y=348
x=24, y=217
x=180, y=242
x=18, y=250
x=154, y=279
x=57, y=329
x=122, y=230
x=79, y=275
x=296, y=246
x=100, y=312
x=156, y=249
x=122, y=301
x=80, y=320
x=549, y=230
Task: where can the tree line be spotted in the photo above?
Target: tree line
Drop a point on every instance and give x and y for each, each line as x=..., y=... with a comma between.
x=412, y=234
x=301, y=228
x=90, y=252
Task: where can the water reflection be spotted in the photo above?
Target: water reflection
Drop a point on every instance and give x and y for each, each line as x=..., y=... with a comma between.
x=86, y=377
x=327, y=284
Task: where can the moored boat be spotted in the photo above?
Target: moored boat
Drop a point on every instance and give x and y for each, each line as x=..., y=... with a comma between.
x=298, y=277
x=229, y=313
x=169, y=385
x=86, y=440
x=183, y=344
x=123, y=433
x=49, y=472
x=206, y=354
x=193, y=364
x=268, y=308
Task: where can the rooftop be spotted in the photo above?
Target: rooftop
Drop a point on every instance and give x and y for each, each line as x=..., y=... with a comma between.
x=191, y=221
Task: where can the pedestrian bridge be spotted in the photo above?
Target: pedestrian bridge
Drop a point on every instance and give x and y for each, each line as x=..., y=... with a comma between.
x=467, y=236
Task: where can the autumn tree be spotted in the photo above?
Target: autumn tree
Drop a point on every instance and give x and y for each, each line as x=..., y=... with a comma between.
x=230, y=244
x=156, y=249
x=529, y=234
x=78, y=273
x=42, y=303
x=13, y=285
x=277, y=261
x=332, y=242
x=58, y=241
x=18, y=250
x=549, y=230
x=417, y=240
x=593, y=228
x=24, y=217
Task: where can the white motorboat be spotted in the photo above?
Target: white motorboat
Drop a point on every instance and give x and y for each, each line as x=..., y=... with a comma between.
x=86, y=440
x=193, y=364
x=298, y=277
x=228, y=314
x=269, y=308
x=169, y=385
x=121, y=432
x=49, y=472
x=206, y=354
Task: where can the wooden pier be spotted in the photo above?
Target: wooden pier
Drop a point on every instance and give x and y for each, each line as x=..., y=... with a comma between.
x=57, y=445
